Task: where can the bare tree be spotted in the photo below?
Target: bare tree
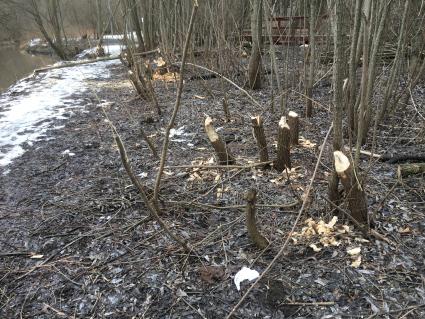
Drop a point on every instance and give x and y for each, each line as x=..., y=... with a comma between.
x=255, y=64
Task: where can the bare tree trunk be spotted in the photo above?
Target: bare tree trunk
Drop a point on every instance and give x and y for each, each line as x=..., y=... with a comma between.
x=132, y=6
x=372, y=66
x=57, y=48
x=310, y=60
x=338, y=72
x=365, y=73
x=396, y=65
x=255, y=64
x=99, y=22
x=352, y=79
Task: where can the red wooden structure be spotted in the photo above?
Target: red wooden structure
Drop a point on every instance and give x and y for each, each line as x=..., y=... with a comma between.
x=290, y=31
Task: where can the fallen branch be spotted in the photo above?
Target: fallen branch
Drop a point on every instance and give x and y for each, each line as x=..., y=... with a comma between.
x=211, y=206
x=405, y=170
x=71, y=64
x=248, y=166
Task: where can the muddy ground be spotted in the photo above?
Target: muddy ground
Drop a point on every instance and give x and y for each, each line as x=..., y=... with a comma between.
x=74, y=242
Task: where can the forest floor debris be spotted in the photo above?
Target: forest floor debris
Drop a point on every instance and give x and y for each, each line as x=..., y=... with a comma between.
x=77, y=241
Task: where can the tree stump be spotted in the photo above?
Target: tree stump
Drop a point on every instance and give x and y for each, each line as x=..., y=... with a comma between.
x=223, y=154
x=293, y=122
x=355, y=195
x=259, y=240
x=283, y=146
x=260, y=137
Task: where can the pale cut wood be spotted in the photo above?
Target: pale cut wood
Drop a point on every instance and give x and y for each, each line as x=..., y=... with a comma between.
x=223, y=154
x=293, y=122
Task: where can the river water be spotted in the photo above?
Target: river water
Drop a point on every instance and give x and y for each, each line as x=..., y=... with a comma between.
x=16, y=64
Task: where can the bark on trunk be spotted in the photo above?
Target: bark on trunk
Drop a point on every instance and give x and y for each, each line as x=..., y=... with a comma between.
x=355, y=195
x=283, y=146
x=259, y=240
x=255, y=65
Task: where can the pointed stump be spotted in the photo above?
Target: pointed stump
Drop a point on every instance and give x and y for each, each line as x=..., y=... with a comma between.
x=223, y=154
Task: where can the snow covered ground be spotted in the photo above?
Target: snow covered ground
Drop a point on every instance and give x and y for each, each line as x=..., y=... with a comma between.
x=29, y=108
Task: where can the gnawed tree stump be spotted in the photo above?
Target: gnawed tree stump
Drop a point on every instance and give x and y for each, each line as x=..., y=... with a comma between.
x=259, y=240
x=293, y=122
x=260, y=137
x=223, y=154
x=283, y=146
x=405, y=170
x=355, y=195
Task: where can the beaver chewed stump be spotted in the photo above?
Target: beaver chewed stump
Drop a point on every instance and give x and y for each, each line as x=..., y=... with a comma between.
x=259, y=240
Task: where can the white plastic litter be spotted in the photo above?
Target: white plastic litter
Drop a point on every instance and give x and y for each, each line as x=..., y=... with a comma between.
x=245, y=274
x=68, y=152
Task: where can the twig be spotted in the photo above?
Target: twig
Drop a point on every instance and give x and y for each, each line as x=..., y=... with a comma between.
x=176, y=108
x=220, y=166
x=282, y=249
x=226, y=79
x=67, y=65
x=318, y=303
x=136, y=182
x=290, y=205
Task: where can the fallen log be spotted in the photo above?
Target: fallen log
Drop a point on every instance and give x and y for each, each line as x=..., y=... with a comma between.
x=71, y=64
x=405, y=170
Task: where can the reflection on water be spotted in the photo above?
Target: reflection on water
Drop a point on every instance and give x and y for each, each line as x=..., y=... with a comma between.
x=15, y=65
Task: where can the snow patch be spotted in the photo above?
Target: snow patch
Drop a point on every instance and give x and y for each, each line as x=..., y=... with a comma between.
x=28, y=108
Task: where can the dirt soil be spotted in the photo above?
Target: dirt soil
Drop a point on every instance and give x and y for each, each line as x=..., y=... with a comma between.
x=75, y=242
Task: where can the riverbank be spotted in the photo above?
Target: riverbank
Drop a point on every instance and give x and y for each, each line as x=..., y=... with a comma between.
x=76, y=241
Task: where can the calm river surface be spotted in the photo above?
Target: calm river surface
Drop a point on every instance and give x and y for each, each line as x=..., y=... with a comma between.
x=16, y=64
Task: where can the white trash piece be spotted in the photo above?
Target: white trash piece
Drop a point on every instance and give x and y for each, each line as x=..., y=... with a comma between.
x=245, y=274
